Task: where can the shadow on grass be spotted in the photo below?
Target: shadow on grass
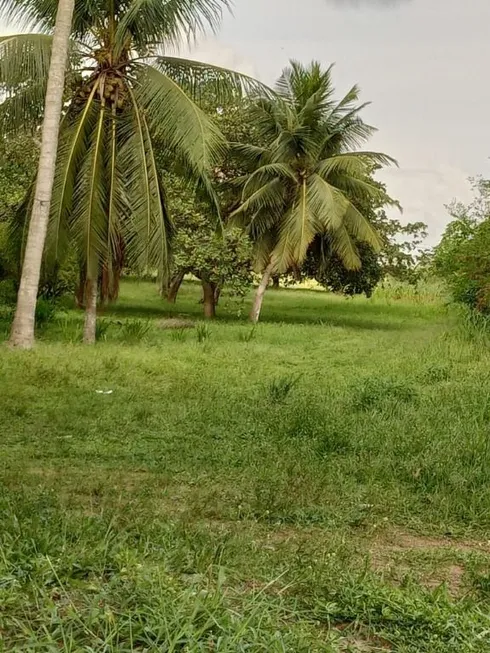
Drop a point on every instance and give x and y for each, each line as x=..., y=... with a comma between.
x=345, y=315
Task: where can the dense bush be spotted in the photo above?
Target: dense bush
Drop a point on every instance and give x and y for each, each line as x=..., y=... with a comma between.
x=461, y=258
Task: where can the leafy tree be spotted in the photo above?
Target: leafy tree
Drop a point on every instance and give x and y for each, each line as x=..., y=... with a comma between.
x=326, y=267
x=127, y=101
x=401, y=252
x=18, y=160
x=307, y=179
x=461, y=258
x=219, y=258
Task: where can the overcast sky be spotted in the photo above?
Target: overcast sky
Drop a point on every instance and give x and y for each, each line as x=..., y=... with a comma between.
x=422, y=63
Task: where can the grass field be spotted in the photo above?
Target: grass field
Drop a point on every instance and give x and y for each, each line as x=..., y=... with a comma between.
x=320, y=483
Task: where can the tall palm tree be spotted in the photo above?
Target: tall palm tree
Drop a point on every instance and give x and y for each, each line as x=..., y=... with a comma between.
x=306, y=180
x=126, y=98
x=23, y=326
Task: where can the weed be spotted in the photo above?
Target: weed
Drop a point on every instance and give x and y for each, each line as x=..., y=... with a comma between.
x=248, y=336
x=279, y=389
x=203, y=332
x=102, y=329
x=134, y=330
x=179, y=335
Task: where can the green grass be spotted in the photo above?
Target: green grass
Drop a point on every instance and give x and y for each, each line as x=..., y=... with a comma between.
x=321, y=483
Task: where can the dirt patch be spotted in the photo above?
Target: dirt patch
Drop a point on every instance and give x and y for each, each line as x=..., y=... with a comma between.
x=360, y=640
x=400, y=541
x=390, y=555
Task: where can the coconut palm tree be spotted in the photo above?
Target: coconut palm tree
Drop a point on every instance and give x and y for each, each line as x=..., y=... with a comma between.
x=23, y=325
x=126, y=98
x=304, y=183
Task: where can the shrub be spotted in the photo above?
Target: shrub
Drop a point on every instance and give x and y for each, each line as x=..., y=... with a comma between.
x=45, y=311
x=135, y=330
x=461, y=258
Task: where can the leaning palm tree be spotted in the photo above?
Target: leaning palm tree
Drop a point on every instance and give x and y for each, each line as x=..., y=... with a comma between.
x=23, y=325
x=305, y=182
x=126, y=97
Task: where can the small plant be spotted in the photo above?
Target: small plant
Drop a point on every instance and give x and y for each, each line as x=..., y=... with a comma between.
x=203, y=332
x=45, y=312
x=248, y=336
x=134, y=330
x=280, y=389
x=179, y=335
x=101, y=329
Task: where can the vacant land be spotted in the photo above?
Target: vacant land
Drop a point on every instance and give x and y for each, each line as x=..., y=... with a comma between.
x=320, y=483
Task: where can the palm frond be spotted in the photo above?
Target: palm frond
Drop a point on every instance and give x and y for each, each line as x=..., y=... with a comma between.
x=147, y=230
x=74, y=145
x=202, y=80
x=269, y=197
x=24, y=67
x=328, y=204
x=296, y=233
x=88, y=218
x=360, y=228
x=356, y=163
x=155, y=22
x=266, y=173
x=192, y=136
x=344, y=246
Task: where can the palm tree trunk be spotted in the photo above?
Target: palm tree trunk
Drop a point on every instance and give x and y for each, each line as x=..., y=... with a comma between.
x=89, y=328
x=259, y=295
x=209, y=300
x=22, y=334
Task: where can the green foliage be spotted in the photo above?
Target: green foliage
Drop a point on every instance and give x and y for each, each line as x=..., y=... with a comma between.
x=401, y=256
x=203, y=332
x=109, y=202
x=135, y=330
x=102, y=329
x=220, y=257
x=310, y=176
x=249, y=335
x=45, y=311
x=18, y=159
x=8, y=291
x=461, y=257
x=325, y=266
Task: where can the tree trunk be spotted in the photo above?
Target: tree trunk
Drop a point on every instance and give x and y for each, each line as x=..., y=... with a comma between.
x=174, y=287
x=259, y=295
x=217, y=295
x=209, y=300
x=89, y=329
x=275, y=281
x=22, y=334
